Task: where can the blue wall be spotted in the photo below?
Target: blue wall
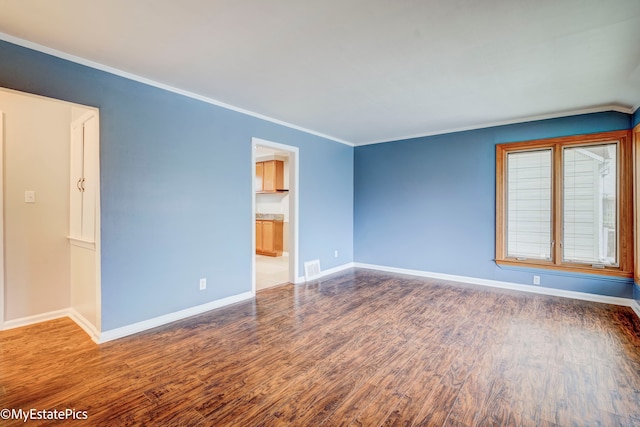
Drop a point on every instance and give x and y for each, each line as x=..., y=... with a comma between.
x=176, y=188
x=176, y=193
x=429, y=203
x=636, y=118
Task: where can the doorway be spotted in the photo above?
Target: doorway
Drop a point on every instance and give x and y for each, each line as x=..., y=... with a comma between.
x=47, y=271
x=275, y=213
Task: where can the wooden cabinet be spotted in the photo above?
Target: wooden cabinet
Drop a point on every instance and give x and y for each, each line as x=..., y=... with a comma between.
x=270, y=176
x=269, y=237
x=259, y=243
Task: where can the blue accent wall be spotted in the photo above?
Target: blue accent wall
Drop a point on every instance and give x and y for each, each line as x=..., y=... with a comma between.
x=636, y=118
x=429, y=203
x=176, y=188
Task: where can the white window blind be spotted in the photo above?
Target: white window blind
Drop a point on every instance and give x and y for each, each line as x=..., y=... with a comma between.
x=529, y=204
x=590, y=191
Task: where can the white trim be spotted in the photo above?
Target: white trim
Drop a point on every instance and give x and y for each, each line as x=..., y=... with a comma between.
x=37, y=318
x=102, y=337
x=526, y=119
x=254, y=286
x=626, y=302
x=300, y=280
x=98, y=231
x=47, y=98
x=294, y=195
x=96, y=65
x=86, y=244
x=253, y=219
x=636, y=307
x=144, y=80
x=171, y=317
x=72, y=314
x=92, y=113
x=84, y=324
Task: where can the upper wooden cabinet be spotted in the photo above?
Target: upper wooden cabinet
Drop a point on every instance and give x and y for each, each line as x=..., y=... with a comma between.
x=270, y=176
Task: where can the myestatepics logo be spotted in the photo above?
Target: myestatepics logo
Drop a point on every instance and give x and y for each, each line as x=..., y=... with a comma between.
x=42, y=414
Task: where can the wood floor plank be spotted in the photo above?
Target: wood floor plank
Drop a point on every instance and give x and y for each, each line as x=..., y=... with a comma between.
x=357, y=348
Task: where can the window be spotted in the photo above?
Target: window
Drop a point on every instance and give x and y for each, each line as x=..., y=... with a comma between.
x=529, y=204
x=566, y=203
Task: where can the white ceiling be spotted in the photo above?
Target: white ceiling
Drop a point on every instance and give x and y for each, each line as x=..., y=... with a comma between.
x=358, y=71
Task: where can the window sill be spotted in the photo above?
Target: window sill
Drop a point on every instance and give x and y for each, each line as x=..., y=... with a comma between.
x=573, y=268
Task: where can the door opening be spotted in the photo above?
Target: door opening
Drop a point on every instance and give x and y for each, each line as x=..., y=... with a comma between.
x=275, y=214
x=36, y=209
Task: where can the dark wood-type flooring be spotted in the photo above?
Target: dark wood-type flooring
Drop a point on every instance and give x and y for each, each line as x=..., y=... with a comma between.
x=359, y=348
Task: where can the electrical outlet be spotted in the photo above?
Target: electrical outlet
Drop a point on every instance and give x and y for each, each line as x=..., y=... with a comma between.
x=536, y=280
x=203, y=284
x=335, y=254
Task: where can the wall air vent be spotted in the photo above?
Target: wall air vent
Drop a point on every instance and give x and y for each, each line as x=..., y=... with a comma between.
x=311, y=270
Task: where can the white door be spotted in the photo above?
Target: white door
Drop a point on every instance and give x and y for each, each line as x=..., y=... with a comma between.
x=83, y=178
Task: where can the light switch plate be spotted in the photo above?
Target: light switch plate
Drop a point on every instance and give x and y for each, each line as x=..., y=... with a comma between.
x=29, y=196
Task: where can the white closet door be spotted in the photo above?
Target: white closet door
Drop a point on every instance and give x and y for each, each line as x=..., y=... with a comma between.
x=90, y=179
x=83, y=178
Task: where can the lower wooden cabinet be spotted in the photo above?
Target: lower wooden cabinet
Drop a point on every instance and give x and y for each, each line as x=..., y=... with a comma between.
x=269, y=237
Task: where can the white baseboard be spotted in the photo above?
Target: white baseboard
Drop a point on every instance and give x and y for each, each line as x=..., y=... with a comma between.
x=102, y=337
x=80, y=320
x=627, y=302
x=324, y=273
x=636, y=307
x=84, y=324
x=171, y=317
x=30, y=320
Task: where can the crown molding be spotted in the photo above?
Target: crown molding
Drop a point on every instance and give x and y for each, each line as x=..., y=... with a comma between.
x=599, y=109
x=111, y=70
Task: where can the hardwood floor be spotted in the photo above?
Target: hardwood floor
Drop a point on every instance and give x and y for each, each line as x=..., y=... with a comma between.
x=360, y=348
